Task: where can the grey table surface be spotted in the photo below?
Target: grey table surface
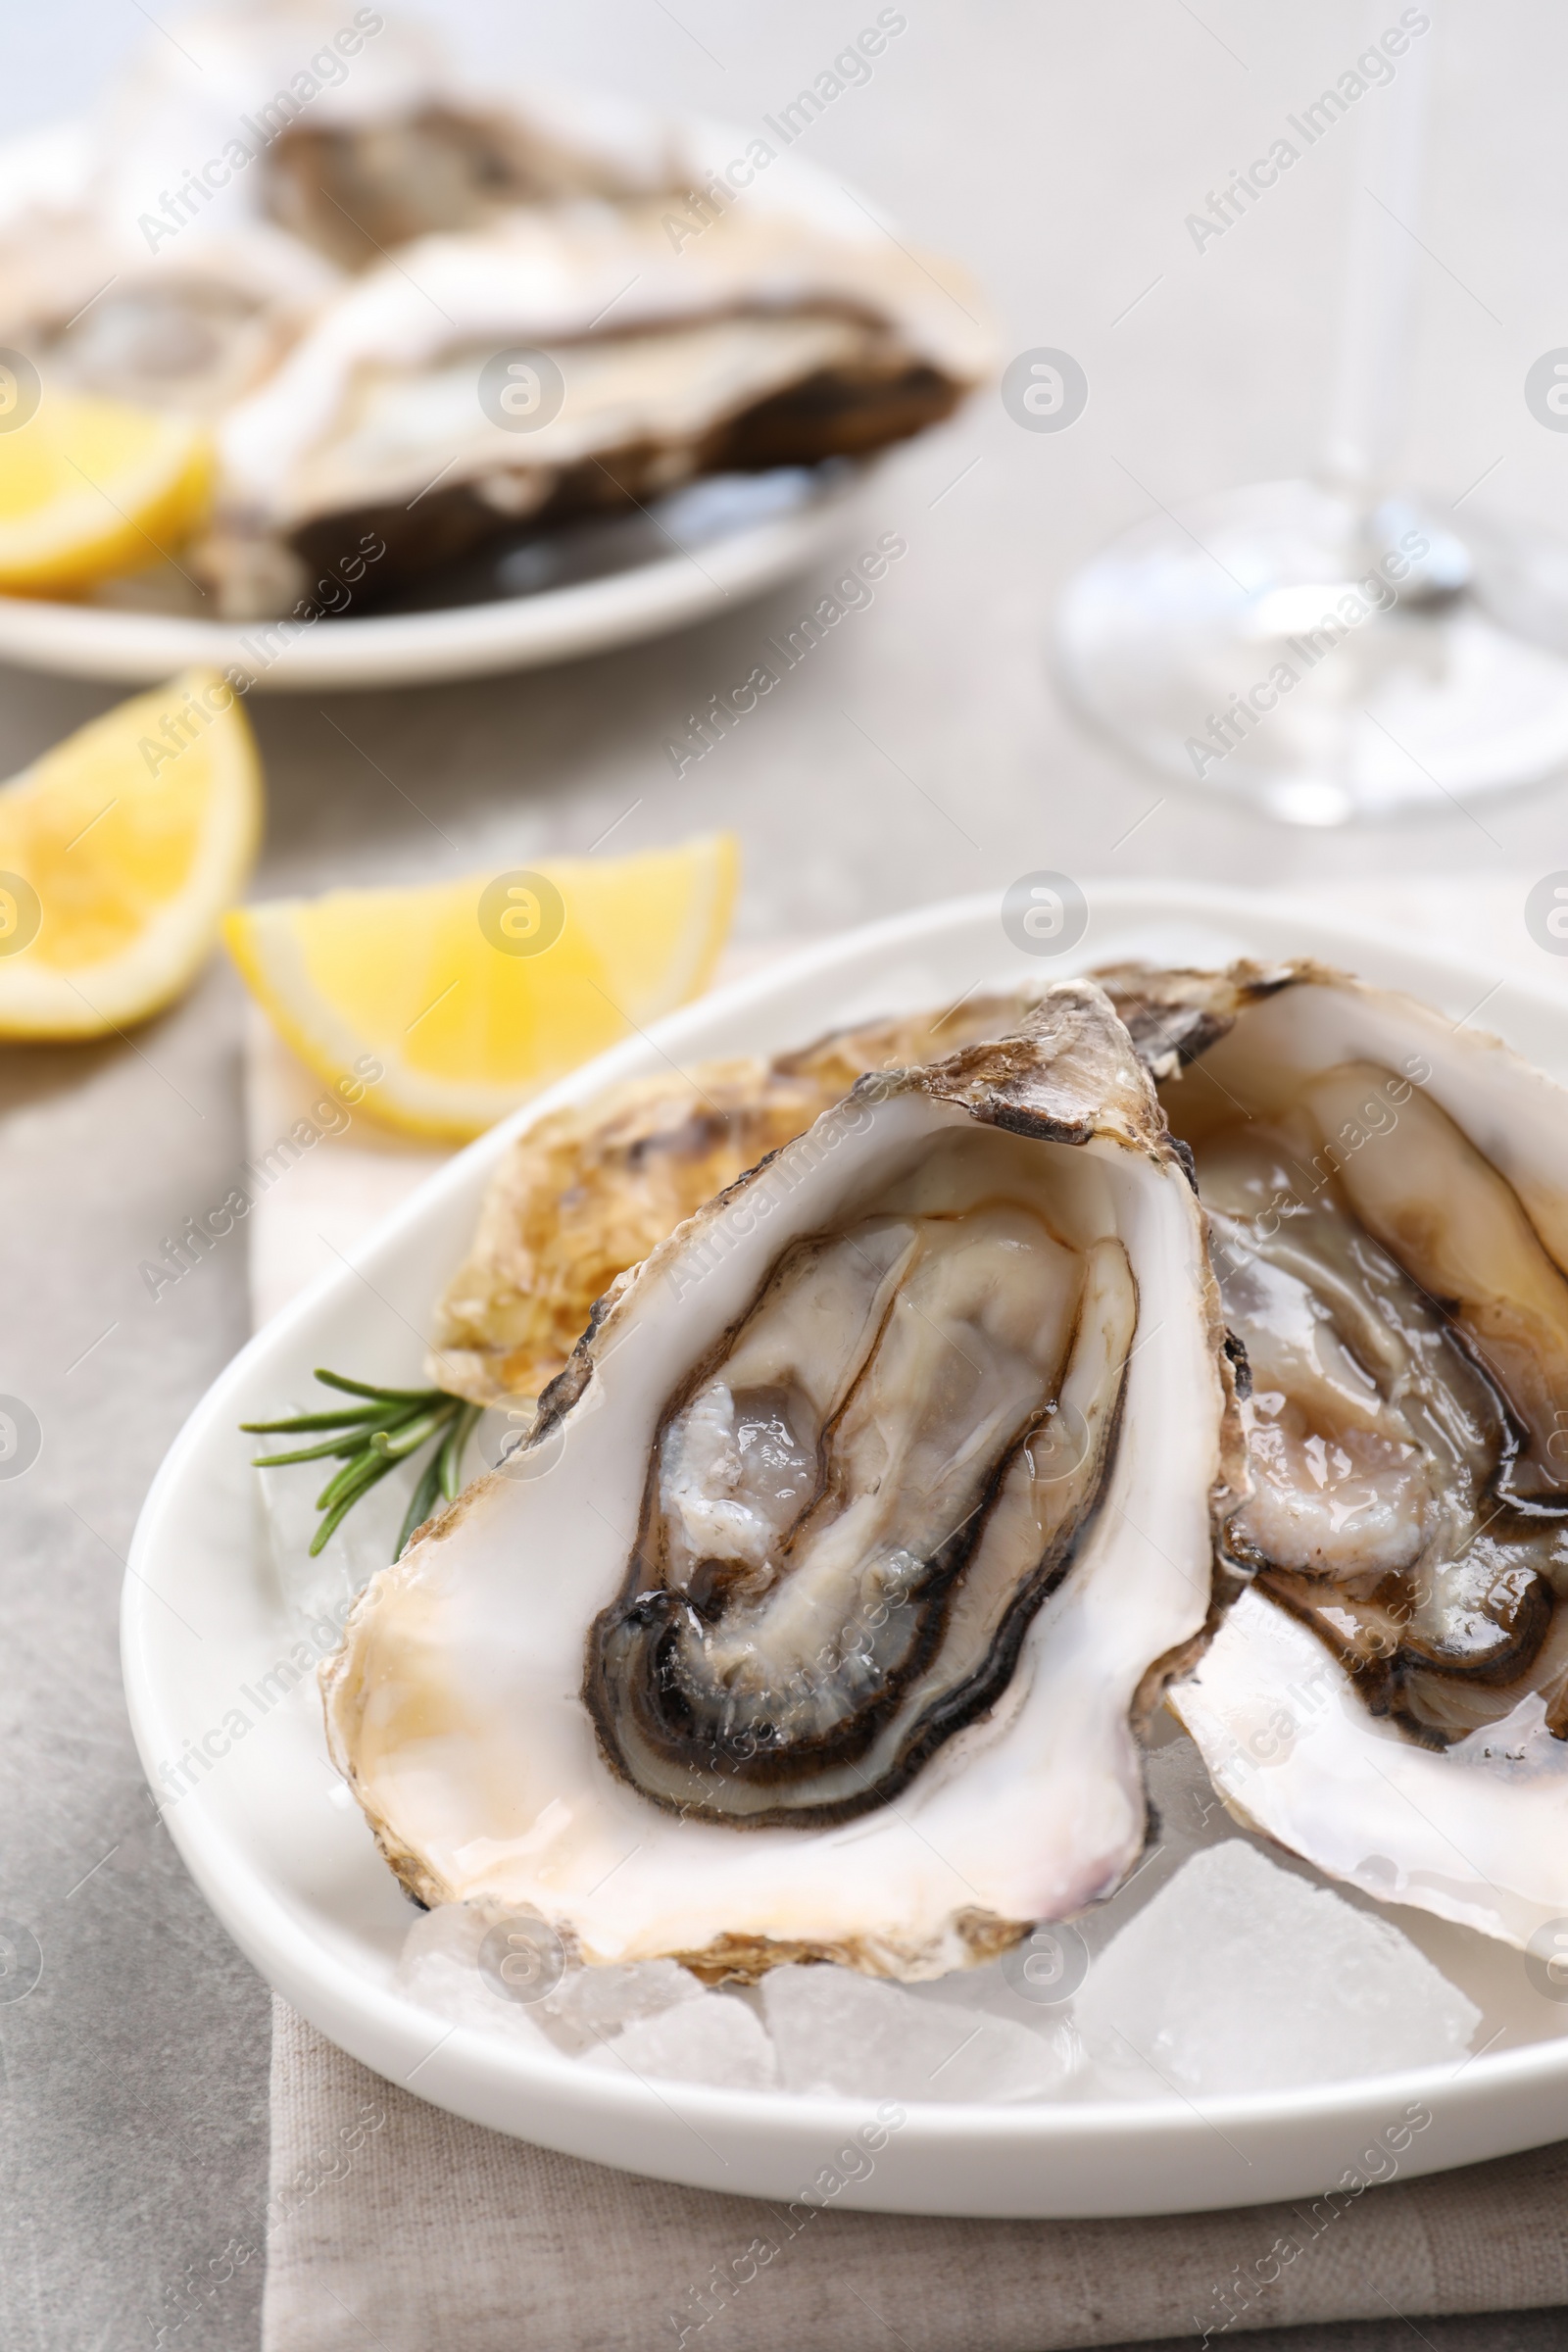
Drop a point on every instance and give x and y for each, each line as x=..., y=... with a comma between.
x=922, y=750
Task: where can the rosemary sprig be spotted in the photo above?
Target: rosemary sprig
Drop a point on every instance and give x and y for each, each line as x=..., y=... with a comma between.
x=371, y=1438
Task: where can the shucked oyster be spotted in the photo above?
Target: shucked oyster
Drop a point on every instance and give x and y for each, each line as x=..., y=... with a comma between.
x=586, y=1193
x=774, y=340
x=1389, y=1227
x=816, y=1615
x=302, y=224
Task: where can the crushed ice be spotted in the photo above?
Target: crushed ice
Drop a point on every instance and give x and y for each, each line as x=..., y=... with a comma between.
x=1214, y=1969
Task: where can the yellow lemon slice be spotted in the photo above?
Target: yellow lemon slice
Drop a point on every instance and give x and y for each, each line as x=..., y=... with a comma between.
x=455, y=1002
x=119, y=852
x=89, y=488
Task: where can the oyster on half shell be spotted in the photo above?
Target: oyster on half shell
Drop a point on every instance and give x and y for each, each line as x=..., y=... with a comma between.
x=319, y=236
x=1389, y=1225
x=777, y=338
x=818, y=1614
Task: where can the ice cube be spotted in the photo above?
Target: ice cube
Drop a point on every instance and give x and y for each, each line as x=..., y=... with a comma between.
x=840, y=2032
x=1188, y=1811
x=439, y=1968
x=985, y=1987
x=590, y=2003
x=999, y=1990
x=1239, y=1976
x=1186, y=1816
x=714, y=2038
x=440, y=1965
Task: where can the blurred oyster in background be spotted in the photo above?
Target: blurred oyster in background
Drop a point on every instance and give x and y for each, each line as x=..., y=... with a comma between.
x=772, y=340
x=304, y=226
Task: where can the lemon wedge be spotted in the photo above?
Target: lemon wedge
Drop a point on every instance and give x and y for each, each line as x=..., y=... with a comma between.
x=455, y=1002
x=89, y=488
x=119, y=852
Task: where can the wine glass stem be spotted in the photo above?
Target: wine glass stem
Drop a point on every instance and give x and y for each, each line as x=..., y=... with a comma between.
x=1370, y=413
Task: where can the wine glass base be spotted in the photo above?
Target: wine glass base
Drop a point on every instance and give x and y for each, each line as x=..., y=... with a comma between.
x=1279, y=645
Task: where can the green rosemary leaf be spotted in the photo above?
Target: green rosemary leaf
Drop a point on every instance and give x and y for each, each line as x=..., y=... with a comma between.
x=361, y=1387
x=419, y=1511
x=449, y=1461
x=304, y=1421
x=344, y=1504
x=360, y=1471
x=409, y=1436
x=309, y=1454
x=353, y=1440
x=370, y=1440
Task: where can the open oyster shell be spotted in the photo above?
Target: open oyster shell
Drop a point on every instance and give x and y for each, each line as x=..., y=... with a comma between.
x=318, y=237
x=817, y=1614
x=1389, y=1225
x=588, y=1192
x=772, y=339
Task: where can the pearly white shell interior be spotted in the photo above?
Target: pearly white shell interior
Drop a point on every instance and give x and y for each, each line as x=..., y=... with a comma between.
x=475, y=1751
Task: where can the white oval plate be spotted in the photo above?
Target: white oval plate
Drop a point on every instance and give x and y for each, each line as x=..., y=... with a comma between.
x=463, y=641
x=293, y=1874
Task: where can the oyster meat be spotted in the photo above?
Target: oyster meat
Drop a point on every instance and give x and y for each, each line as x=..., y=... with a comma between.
x=1388, y=1225
x=817, y=1614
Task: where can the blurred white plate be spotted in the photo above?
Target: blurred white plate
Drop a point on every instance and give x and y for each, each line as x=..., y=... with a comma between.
x=291, y=1869
x=690, y=553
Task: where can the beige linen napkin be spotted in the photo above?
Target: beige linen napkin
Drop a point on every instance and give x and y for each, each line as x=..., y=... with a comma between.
x=445, y=2237
x=393, y=2223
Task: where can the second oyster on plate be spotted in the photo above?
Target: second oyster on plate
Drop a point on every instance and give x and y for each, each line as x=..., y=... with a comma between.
x=817, y=1615
x=1390, y=1231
